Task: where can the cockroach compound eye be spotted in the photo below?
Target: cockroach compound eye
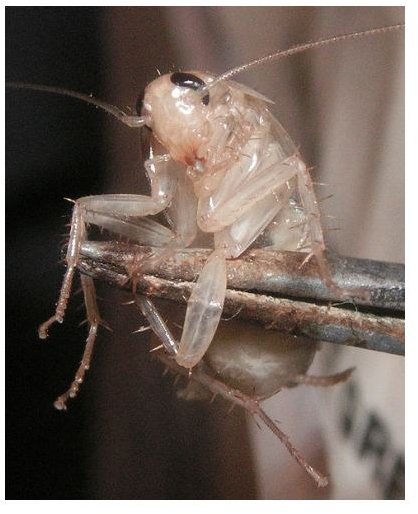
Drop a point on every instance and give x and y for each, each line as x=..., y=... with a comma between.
x=188, y=80
x=219, y=164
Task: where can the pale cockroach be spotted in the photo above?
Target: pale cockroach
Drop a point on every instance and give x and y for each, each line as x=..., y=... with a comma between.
x=219, y=163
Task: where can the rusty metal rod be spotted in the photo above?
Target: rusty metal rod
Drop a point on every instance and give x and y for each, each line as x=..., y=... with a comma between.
x=270, y=272
x=109, y=261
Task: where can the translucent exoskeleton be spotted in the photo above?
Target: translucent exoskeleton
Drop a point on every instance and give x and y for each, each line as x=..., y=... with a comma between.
x=244, y=374
x=220, y=163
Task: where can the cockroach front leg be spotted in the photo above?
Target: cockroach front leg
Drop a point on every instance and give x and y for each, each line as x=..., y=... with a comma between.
x=77, y=236
x=93, y=320
x=111, y=211
x=157, y=324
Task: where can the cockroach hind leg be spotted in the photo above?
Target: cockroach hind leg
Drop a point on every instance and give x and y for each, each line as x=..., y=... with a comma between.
x=317, y=244
x=320, y=479
x=325, y=272
x=250, y=405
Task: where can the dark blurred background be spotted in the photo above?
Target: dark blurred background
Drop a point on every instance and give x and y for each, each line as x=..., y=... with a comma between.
x=126, y=436
x=55, y=149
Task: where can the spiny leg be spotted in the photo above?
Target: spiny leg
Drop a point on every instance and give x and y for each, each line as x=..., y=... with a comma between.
x=317, y=244
x=247, y=403
x=204, y=309
x=94, y=320
x=147, y=231
x=122, y=205
x=77, y=234
x=320, y=479
x=157, y=323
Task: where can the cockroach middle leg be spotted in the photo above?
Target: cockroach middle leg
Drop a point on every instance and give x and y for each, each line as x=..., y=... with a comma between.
x=157, y=324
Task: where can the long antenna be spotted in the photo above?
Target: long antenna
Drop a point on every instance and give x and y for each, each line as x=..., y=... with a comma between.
x=281, y=54
x=131, y=121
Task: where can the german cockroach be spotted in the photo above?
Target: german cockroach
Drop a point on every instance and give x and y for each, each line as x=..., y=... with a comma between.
x=219, y=163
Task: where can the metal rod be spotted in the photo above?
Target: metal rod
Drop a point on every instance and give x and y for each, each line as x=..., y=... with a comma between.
x=271, y=272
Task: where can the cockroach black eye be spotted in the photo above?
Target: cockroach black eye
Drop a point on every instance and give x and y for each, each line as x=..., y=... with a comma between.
x=139, y=103
x=190, y=81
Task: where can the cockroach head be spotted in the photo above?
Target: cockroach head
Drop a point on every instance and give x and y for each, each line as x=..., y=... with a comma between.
x=175, y=110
